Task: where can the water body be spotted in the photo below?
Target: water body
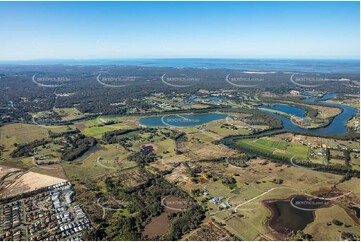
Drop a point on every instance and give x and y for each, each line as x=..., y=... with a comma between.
x=293, y=214
x=260, y=65
x=292, y=110
x=336, y=127
x=186, y=120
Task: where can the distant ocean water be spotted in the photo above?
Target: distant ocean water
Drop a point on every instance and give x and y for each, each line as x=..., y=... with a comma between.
x=274, y=65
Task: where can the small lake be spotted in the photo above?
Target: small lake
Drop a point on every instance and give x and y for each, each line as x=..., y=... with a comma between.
x=182, y=120
x=292, y=214
x=292, y=110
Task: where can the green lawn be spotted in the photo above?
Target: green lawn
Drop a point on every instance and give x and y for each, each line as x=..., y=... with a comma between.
x=273, y=144
x=279, y=148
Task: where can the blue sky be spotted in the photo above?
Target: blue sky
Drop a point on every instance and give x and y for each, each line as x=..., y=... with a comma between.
x=103, y=30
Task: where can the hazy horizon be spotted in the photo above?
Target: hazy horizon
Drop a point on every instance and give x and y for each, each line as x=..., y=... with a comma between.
x=178, y=30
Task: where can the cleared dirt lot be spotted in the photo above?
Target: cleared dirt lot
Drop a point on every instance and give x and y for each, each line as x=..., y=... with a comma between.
x=28, y=182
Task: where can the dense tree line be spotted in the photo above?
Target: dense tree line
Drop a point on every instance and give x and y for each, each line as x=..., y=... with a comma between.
x=112, y=137
x=27, y=149
x=57, y=135
x=79, y=145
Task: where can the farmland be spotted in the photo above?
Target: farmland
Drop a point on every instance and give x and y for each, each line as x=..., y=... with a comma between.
x=67, y=114
x=221, y=165
x=277, y=148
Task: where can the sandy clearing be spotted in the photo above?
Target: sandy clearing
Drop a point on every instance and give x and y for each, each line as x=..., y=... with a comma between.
x=30, y=181
x=4, y=170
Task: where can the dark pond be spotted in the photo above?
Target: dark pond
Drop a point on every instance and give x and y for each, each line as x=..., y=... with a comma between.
x=293, y=214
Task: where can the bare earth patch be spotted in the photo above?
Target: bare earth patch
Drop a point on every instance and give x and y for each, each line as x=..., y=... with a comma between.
x=28, y=182
x=80, y=126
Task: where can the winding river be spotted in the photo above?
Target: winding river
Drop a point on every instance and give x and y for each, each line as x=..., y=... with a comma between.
x=336, y=127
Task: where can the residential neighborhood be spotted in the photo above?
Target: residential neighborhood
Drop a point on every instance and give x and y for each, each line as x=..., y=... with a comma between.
x=47, y=215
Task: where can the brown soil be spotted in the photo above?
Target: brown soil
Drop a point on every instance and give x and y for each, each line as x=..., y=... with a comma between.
x=158, y=226
x=80, y=126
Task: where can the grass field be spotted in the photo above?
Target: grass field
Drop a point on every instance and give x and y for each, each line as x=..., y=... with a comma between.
x=279, y=148
x=89, y=166
x=97, y=127
x=68, y=113
x=321, y=231
x=21, y=163
x=19, y=134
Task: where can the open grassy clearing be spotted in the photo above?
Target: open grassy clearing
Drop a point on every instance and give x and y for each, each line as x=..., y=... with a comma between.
x=90, y=166
x=278, y=148
x=69, y=113
x=98, y=126
x=21, y=163
x=19, y=134
x=22, y=133
x=199, y=146
x=322, y=231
